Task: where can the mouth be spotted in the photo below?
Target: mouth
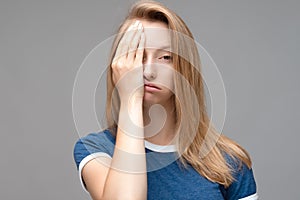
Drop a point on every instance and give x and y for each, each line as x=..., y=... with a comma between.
x=151, y=86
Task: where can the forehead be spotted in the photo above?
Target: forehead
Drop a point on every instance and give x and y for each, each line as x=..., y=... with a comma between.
x=157, y=34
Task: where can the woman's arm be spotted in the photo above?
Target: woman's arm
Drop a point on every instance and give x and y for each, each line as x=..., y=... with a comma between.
x=129, y=156
x=126, y=178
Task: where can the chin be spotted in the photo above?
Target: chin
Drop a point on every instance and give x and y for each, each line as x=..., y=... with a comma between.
x=150, y=99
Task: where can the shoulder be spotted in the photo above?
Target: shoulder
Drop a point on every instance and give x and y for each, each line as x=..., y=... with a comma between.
x=98, y=145
x=244, y=185
x=92, y=144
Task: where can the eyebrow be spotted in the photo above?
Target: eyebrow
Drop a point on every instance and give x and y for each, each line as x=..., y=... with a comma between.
x=166, y=47
x=162, y=48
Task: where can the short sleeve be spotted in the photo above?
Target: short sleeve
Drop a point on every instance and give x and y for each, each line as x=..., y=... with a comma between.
x=90, y=147
x=244, y=185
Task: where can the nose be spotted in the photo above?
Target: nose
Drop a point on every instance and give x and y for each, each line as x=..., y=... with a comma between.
x=149, y=69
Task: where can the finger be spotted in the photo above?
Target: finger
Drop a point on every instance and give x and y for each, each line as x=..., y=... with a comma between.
x=140, y=51
x=123, y=44
x=134, y=44
x=129, y=38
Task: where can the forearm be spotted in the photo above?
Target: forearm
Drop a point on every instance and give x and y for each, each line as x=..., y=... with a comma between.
x=127, y=177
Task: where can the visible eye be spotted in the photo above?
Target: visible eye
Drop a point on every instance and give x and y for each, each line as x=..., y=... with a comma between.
x=167, y=57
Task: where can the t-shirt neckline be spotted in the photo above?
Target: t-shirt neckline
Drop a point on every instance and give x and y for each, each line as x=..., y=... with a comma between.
x=149, y=145
x=160, y=148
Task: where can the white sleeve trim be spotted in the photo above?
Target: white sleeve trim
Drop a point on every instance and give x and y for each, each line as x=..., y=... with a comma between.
x=85, y=161
x=251, y=197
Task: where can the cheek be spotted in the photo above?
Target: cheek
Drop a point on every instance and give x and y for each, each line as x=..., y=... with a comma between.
x=166, y=77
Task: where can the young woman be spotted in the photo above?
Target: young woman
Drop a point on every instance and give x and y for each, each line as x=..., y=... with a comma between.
x=159, y=143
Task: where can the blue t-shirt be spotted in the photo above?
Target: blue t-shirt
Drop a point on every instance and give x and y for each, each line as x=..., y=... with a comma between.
x=167, y=178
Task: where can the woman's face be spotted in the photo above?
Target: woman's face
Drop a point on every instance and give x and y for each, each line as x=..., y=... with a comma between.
x=158, y=64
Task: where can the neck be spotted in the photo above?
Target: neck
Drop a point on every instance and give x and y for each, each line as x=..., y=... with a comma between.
x=159, y=121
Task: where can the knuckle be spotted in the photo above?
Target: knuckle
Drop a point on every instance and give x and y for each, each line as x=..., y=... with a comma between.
x=116, y=63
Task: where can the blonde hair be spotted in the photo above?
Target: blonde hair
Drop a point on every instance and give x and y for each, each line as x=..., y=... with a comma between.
x=206, y=150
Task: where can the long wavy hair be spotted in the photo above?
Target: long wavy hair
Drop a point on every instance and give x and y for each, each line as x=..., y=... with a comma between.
x=201, y=146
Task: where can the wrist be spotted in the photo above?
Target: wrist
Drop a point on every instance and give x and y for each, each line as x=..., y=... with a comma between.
x=133, y=102
x=131, y=119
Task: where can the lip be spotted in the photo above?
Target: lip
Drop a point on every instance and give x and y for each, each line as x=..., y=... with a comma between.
x=151, y=86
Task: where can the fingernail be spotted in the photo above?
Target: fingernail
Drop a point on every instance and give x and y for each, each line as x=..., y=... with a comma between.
x=140, y=26
x=136, y=23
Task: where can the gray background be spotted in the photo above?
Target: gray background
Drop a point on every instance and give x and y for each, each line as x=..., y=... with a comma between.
x=255, y=45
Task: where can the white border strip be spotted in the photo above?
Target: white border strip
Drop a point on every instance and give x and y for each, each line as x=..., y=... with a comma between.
x=160, y=148
x=85, y=161
x=251, y=197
